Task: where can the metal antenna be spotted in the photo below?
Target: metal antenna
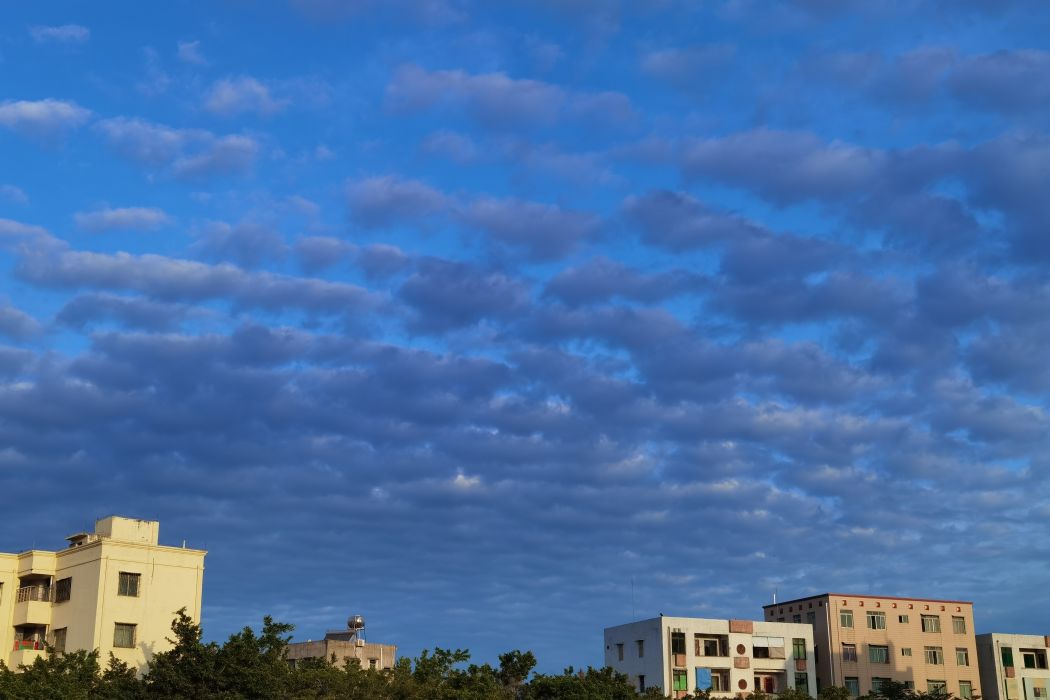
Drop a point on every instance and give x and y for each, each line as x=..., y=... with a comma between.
x=633, y=614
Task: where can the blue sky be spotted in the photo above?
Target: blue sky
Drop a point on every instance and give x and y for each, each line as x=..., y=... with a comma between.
x=465, y=315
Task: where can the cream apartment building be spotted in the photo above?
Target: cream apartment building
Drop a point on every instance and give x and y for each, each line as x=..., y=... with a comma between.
x=1013, y=666
x=115, y=589
x=340, y=646
x=862, y=640
x=730, y=657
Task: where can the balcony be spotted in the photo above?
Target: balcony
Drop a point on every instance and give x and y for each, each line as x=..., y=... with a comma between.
x=25, y=657
x=43, y=594
x=33, y=605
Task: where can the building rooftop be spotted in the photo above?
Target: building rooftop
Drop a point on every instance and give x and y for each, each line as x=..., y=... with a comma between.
x=781, y=603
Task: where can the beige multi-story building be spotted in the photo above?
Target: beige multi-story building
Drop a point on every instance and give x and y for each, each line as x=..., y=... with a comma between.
x=115, y=589
x=340, y=646
x=1013, y=666
x=728, y=657
x=863, y=640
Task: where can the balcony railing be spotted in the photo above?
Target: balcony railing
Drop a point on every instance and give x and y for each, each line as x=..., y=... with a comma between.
x=44, y=594
x=28, y=644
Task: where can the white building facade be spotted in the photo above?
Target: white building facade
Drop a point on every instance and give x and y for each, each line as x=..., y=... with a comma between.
x=679, y=655
x=1013, y=666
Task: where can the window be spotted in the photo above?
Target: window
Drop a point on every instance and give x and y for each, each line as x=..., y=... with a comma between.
x=909, y=685
x=641, y=684
x=849, y=652
x=63, y=590
x=905, y=651
x=876, y=620
x=845, y=618
x=876, y=684
x=1008, y=656
x=712, y=645
x=959, y=625
x=1033, y=658
x=766, y=683
x=931, y=623
x=796, y=618
x=853, y=687
x=719, y=680
x=878, y=654
x=677, y=642
x=680, y=680
x=619, y=651
x=939, y=687
x=934, y=655
x=1038, y=692
x=373, y=664
x=811, y=618
x=903, y=619
x=798, y=648
x=966, y=690
x=60, y=639
x=802, y=682
x=124, y=636
x=962, y=656
x=641, y=650
x=128, y=584
x=768, y=647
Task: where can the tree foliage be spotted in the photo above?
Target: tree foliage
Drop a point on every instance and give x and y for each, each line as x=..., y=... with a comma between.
x=254, y=665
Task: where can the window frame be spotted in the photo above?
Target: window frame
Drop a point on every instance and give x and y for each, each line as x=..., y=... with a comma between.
x=958, y=624
x=884, y=648
x=905, y=651
x=849, y=652
x=64, y=589
x=125, y=626
x=798, y=647
x=968, y=695
x=124, y=579
x=845, y=615
x=935, y=686
x=934, y=626
x=60, y=647
x=874, y=617
x=934, y=655
x=856, y=684
x=962, y=656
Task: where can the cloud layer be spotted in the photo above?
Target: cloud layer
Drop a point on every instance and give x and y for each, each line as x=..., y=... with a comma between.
x=547, y=301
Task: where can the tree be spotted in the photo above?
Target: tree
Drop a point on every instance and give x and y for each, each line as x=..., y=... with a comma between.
x=188, y=669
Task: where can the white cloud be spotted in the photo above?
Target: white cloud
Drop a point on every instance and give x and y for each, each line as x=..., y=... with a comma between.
x=65, y=33
x=465, y=482
x=188, y=153
x=42, y=117
x=120, y=219
x=236, y=95
x=190, y=52
x=14, y=194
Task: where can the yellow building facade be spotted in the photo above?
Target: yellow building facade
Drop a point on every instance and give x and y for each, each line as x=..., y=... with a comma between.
x=115, y=589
